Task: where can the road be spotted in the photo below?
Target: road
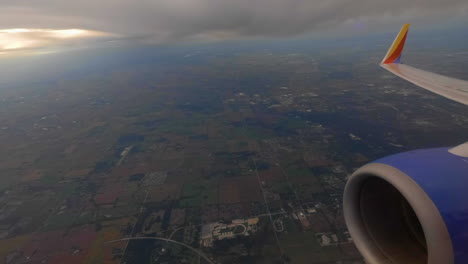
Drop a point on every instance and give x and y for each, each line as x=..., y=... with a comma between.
x=267, y=207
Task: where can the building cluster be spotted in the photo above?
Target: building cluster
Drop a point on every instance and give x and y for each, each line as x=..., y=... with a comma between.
x=219, y=231
x=305, y=223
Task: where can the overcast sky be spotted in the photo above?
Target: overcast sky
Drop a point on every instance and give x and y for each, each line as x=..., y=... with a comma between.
x=159, y=21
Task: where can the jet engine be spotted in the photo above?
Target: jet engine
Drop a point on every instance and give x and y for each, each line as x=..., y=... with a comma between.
x=411, y=208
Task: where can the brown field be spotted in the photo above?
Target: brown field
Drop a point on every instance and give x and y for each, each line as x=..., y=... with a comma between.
x=76, y=245
x=31, y=175
x=77, y=173
x=7, y=246
x=80, y=237
x=239, y=189
x=272, y=174
x=101, y=253
x=177, y=217
x=164, y=192
x=69, y=258
x=60, y=246
x=108, y=194
x=229, y=192
x=44, y=244
x=214, y=213
x=234, y=211
x=319, y=224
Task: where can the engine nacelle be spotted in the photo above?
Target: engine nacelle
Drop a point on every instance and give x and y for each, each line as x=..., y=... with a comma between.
x=411, y=208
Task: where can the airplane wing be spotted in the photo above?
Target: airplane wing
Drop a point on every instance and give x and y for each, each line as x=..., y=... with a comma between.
x=448, y=87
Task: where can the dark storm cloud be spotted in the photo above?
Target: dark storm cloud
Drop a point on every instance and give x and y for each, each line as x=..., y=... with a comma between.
x=169, y=20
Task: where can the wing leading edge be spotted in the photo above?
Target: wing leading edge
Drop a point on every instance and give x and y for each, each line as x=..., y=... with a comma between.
x=448, y=87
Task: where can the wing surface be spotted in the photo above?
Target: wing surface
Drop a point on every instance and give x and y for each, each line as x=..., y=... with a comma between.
x=451, y=88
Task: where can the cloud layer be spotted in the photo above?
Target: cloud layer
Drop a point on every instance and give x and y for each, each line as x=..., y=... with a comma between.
x=172, y=20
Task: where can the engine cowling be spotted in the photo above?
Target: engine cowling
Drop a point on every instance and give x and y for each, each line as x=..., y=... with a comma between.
x=411, y=208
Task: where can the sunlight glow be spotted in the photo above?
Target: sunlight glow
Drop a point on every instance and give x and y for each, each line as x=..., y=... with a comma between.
x=28, y=38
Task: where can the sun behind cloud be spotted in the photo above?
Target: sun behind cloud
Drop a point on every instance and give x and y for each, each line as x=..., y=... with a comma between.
x=33, y=39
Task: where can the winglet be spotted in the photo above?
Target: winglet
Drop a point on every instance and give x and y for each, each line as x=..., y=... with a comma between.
x=394, y=53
